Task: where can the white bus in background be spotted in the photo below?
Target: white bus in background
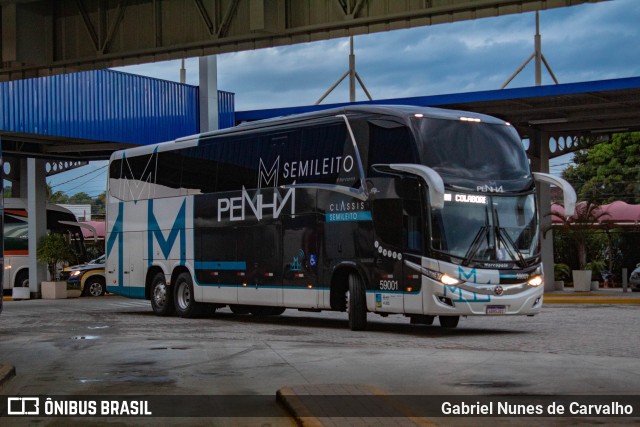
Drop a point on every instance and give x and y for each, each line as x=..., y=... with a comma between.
x=366, y=209
x=16, y=239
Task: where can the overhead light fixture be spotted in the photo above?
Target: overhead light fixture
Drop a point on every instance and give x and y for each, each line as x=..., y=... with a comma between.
x=548, y=121
x=470, y=119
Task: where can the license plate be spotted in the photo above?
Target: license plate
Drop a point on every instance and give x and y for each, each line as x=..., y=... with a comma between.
x=496, y=309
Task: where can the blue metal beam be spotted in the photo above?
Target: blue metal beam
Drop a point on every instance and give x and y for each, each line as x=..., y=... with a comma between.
x=461, y=98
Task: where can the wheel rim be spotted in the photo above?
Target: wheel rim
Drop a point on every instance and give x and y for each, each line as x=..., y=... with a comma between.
x=183, y=296
x=348, y=302
x=160, y=294
x=95, y=289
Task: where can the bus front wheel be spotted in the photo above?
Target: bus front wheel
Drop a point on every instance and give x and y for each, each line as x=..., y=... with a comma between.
x=161, y=296
x=357, y=304
x=184, y=298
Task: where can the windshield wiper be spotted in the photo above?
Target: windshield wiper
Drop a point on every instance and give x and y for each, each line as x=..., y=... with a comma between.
x=504, y=237
x=475, y=245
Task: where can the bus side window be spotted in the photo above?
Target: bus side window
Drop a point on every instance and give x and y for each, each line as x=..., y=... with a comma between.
x=389, y=142
x=132, y=178
x=413, y=234
x=387, y=217
x=168, y=174
x=233, y=170
x=199, y=169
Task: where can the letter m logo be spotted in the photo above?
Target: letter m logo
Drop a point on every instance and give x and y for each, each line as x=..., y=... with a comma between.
x=462, y=275
x=268, y=177
x=166, y=245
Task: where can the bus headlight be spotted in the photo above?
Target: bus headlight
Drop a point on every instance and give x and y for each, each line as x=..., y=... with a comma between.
x=449, y=281
x=535, y=281
x=443, y=278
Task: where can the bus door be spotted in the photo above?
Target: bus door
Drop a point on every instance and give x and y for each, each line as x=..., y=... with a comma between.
x=133, y=269
x=387, y=283
x=300, y=261
x=259, y=242
x=413, y=243
x=259, y=249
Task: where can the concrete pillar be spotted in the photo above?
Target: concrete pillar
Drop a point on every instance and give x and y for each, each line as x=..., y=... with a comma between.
x=539, y=154
x=37, y=211
x=19, y=183
x=208, y=70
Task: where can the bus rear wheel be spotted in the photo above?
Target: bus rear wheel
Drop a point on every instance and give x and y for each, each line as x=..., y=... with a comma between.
x=161, y=296
x=357, y=304
x=449, y=321
x=184, y=298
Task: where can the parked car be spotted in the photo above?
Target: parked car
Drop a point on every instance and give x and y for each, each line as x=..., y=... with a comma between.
x=89, y=276
x=635, y=279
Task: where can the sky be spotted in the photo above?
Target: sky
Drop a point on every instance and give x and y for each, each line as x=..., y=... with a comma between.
x=581, y=43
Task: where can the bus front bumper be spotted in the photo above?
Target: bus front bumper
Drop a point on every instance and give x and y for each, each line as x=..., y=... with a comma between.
x=479, y=300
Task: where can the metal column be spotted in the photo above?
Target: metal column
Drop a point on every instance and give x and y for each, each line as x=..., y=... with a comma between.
x=208, y=69
x=539, y=154
x=37, y=220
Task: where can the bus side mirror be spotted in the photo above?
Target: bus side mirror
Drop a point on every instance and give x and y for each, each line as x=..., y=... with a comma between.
x=431, y=177
x=567, y=190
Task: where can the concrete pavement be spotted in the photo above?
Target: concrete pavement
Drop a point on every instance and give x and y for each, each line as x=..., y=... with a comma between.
x=308, y=416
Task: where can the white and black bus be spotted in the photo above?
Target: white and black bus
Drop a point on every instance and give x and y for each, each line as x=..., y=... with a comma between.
x=383, y=209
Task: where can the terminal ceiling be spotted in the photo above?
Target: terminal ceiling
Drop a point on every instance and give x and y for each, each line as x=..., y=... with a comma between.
x=43, y=37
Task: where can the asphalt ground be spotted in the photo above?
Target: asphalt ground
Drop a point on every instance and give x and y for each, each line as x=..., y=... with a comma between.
x=303, y=412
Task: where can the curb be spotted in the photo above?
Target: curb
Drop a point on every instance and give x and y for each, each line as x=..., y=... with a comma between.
x=595, y=299
x=301, y=402
x=6, y=372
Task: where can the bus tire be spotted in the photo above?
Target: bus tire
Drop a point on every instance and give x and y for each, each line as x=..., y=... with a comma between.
x=184, y=298
x=22, y=279
x=357, y=304
x=94, y=286
x=161, y=296
x=448, y=322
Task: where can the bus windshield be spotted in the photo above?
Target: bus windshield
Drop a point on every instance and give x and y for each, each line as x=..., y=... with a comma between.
x=486, y=228
x=471, y=150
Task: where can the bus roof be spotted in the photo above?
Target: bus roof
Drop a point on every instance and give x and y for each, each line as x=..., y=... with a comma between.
x=13, y=203
x=400, y=111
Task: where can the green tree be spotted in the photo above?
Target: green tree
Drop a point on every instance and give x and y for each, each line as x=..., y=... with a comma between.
x=608, y=171
x=80, y=198
x=98, y=203
x=59, y=197
x=579, y=229
x=54, y=248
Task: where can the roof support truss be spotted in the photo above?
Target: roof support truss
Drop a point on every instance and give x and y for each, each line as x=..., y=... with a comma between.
x=40, y=37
